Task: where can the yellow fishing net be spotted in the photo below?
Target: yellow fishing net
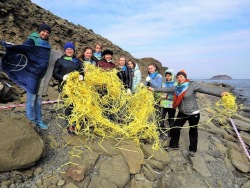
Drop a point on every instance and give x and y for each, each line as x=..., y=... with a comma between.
x=101, y=107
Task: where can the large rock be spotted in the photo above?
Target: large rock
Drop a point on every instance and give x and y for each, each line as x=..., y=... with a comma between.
x=20, y=145
x=115, y=170
x=133, y=156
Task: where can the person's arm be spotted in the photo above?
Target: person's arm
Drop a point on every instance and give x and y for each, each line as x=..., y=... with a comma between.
x=163, y=89
x=209, y=89
x=156, y=83
x=56, y=71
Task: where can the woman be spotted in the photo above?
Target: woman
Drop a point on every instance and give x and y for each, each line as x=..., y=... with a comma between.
x=97, y=55
x=166, y=102
x=63, y=66
x=185, y=100
x=106, y=62
x=34, y=101
x=154, y=78
x=135, y=73
x=124, y=74
x=87, y=57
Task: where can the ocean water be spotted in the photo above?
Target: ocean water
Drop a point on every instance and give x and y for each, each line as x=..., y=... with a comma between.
x=241, y=88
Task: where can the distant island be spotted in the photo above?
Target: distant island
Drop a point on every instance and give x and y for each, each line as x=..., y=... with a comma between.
x=221, y=77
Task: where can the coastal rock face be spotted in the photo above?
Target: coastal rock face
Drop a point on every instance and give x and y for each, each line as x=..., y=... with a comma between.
x=20, y=18
x=20, y=144
x=221, y=77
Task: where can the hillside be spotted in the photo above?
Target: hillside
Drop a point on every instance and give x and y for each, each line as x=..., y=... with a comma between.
x=19, y=18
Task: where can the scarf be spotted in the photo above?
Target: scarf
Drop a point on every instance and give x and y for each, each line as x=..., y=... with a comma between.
x=70, y=59
x=123, y=68
x=180, y=93
x=98, y=55
x=169, y=84
x=153, y=75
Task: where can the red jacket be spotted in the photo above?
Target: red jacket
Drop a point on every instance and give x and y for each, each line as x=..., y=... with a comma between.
x=105, y=65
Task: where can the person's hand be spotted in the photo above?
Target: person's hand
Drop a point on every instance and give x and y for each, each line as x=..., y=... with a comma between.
x=225, y=93
x=164, y=95
x=148, y=78
x=80, y=77
x=65, y=77
x=150, y=89
x=141, y=84
x=129, y=91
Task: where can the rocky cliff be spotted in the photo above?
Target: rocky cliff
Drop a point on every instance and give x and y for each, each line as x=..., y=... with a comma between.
x=19, y=18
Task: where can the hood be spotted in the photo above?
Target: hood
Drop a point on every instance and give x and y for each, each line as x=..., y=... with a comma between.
x=172, y=73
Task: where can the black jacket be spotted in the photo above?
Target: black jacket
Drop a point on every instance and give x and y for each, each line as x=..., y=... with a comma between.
x=126, y=78
x=63, y=67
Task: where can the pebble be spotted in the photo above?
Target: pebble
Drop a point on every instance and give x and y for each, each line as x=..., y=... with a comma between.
x=60, y=183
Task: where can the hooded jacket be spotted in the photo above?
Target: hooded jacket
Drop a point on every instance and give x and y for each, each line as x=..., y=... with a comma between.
x=136, y=75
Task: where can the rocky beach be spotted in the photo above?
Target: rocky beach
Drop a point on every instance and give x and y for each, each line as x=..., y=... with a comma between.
x=30, y=157
x=36, y=158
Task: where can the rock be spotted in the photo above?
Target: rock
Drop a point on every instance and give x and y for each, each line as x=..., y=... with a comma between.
x=246, y=137
x=98, y=182
x=141, y=184
x=23, y=149
x=241, y=125
x=60, y=183
x=149, y=172
x=71, y=185
x=200, y=166
x=158, y=155
x=133, y=156
x=155, y=164
x=76, y=172
x=237, y=159
x=246, y=185
x=221, y=77
x=115, y=170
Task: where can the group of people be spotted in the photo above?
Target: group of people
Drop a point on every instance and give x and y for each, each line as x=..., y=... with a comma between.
x=177, y=91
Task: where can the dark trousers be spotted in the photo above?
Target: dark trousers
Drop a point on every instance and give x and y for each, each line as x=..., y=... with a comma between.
x=171, y=113
x=181, y=119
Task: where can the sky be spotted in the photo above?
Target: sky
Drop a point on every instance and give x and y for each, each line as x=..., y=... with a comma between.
x=203, y=37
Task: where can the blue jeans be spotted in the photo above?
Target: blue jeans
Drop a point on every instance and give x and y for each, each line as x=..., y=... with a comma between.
x=34, y=107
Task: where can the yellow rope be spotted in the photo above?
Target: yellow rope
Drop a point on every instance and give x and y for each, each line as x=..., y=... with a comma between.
x=101, y=107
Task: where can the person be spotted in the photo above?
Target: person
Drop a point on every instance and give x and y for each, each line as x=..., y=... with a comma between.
x=34, y=101
x=154, y=78
x=166, y=102
x=185, y=99
x=63, y=67
x=124, y=74
x=97, y=55
x=87, y=57
x=135, y=73
x=106, y=62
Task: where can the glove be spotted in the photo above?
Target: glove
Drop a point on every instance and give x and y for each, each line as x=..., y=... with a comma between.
x=129, y=91
x=141, y=84
x=148, y=78
x=65, y=77
x=80, y=77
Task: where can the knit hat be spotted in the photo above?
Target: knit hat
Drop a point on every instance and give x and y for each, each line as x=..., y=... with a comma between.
x=105, y=52
x=43, y=27
x=181, y=72
x=69, y=45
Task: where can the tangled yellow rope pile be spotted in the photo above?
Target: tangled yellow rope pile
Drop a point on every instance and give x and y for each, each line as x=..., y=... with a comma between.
x=101, y=106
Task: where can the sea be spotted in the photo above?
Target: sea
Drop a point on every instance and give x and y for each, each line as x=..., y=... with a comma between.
x=241, y=88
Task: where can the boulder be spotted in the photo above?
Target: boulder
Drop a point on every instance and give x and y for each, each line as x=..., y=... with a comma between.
x=20, y=145
x=115, y=170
